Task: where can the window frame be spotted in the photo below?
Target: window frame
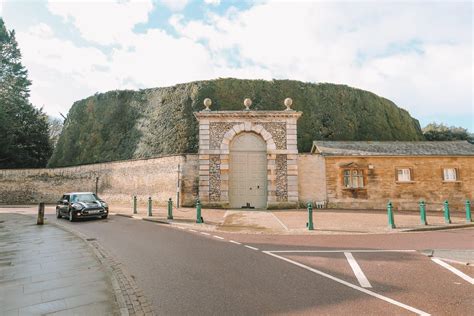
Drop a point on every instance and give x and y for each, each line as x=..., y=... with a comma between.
x=456, y=174
x=359, y=176
x=403, y=176
x=410, y=173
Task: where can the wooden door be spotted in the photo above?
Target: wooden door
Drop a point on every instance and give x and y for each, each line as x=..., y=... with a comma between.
x=248, y=171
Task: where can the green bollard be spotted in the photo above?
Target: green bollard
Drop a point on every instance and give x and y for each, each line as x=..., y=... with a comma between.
x=134, y=204
x=468, y=211
x=170, y=209
x=391, y=222
x=199, y=218
x=447, y=218
x=309, y=224
x=423, y=213
x=149, y=207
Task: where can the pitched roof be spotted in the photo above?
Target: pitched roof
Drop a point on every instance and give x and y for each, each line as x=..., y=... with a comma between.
x=392, y=148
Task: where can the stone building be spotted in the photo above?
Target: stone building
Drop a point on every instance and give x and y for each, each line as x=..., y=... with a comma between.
x=248, y=158
x=365, y=175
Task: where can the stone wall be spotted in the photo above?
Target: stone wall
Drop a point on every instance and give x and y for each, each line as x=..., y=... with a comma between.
x=312, y=179
x=381, y=185
x=117, y=181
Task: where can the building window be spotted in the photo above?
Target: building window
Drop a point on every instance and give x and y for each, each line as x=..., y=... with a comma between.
x=403, y=175
x=449, y=174
x=353, y=178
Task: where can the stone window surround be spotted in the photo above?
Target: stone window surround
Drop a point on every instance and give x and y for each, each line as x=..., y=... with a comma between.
x=248, y=121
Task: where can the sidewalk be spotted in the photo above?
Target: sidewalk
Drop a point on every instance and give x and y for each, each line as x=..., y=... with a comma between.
x=46, y=270
x=293, y=222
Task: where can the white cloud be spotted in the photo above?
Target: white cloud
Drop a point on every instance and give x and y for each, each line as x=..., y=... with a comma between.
x=42, y=30
x=158, y=59
x=213, y=2
x=104, y=22
x=62, y=72
x=418, y=57
x=175, y=5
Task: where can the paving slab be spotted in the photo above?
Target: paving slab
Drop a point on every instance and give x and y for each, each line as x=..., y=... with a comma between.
x=44, y=269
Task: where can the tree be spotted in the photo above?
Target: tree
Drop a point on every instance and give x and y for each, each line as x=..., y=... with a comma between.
x=441, y=132
x=24, y=139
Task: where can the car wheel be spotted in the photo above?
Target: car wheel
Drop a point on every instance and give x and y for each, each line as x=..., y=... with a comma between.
x=58, y=213
x=104, y=217
x=71, y=217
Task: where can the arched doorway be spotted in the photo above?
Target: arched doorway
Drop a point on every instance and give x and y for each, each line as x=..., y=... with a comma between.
x=248, y=171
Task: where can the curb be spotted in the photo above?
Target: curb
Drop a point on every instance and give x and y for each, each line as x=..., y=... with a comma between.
x=431, y=253
x=402, y=230
x=155, y=220
x=129, y=297
x=422, y=229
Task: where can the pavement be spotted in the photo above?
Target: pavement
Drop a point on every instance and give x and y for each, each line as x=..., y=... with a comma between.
x=293, y=222
x=47, y=270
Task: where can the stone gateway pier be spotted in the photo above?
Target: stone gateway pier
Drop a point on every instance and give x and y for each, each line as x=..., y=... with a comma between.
x=248, y=159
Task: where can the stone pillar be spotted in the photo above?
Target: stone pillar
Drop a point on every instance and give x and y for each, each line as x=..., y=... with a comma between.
x=204, y=161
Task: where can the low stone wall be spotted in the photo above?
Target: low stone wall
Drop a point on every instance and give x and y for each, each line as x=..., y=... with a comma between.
x=117, y=182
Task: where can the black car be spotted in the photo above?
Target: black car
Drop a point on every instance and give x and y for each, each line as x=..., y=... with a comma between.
x=81, y=204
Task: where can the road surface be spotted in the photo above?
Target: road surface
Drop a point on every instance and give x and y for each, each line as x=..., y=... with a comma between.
x=189, y=272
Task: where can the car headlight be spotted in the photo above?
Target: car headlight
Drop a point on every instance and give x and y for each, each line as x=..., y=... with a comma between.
x=77, y=206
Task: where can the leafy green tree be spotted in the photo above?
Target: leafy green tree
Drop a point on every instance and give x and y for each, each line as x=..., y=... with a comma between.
x=24, y=140
x=441, y=132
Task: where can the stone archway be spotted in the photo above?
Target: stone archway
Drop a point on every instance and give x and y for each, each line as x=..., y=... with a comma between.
x=277, y=129
x=227, y=141
x=248, y=171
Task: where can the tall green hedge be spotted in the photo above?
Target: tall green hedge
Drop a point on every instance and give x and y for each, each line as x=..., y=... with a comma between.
x=121, y=125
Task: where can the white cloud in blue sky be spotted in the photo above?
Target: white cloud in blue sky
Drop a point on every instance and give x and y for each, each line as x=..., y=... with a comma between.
x=418, y=54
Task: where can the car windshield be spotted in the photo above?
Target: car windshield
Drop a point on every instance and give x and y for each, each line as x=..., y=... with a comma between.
x=89, y=197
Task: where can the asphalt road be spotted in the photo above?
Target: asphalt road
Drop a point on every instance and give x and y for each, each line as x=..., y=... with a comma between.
x=188, y=272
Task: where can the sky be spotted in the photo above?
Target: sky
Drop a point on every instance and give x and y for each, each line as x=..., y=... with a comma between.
x=418, y=54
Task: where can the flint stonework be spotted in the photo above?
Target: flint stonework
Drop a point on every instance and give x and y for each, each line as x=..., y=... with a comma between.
x=281, y=178
x=214, y=178
x=217, y=131
x=278, y=132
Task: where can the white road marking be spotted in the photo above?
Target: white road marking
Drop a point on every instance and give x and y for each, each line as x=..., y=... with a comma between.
x=192, y=230
x=329, y=251
x=355, y=287
x=279, y=221
x=250, y=247
x=207, y=234
x=357, y=270
x=453, y=270
x=235, y=242
x=181, y=227
x=218, y=237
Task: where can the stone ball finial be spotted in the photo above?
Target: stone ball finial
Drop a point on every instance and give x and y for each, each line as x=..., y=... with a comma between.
x=247, y=104
x=288, y=102
x=207, y=103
